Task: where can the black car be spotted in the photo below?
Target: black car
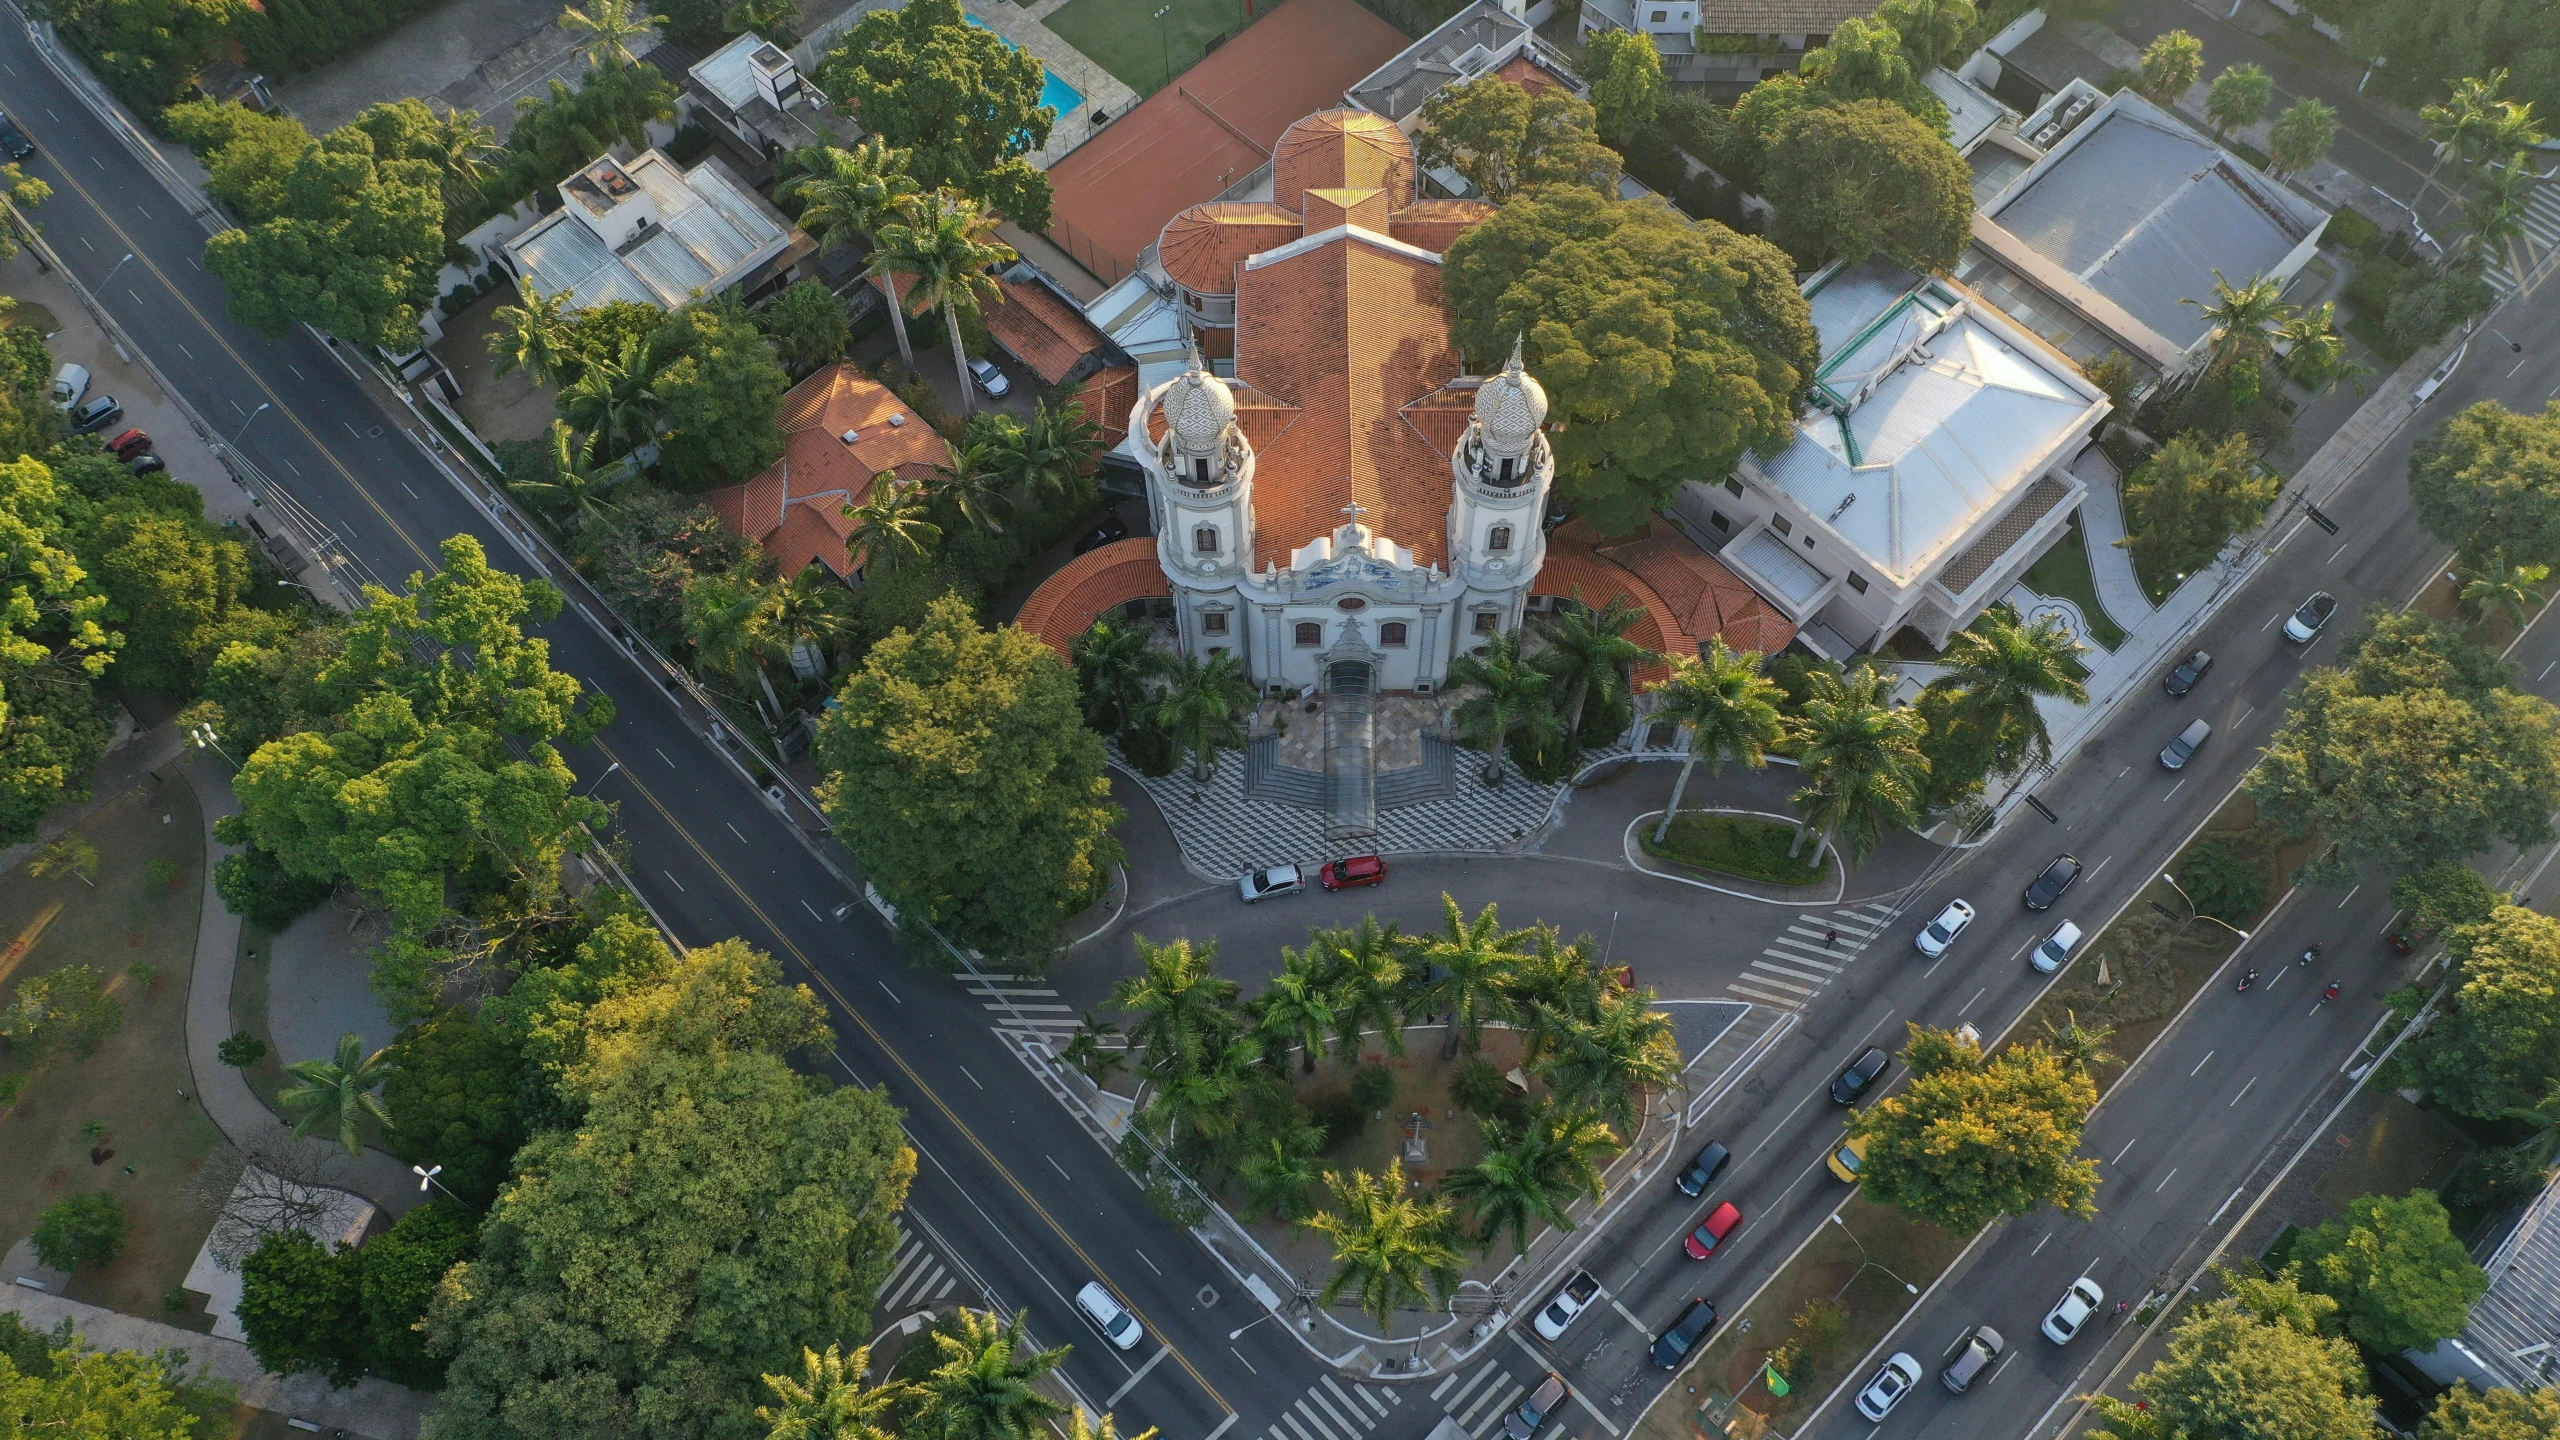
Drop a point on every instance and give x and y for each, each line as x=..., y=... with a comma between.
x=1693, y=1182
x=1860, y=1074
x=2189, y=672
x=14, y=144
x=1674, y=1344
x=2057, y=877
x=1112, y=529
x=95, y=415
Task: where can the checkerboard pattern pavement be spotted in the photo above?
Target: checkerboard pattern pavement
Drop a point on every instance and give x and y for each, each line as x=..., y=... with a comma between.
x=1224, y=832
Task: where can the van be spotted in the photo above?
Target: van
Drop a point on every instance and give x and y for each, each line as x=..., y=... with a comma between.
x=1523, y=1422
x=69, y=384
x=1975, y=1353
x=2175, y=754
x=2055, y=948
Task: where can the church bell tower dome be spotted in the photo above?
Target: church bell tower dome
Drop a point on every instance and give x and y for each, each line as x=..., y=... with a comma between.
x=1510, y=408
x=1199, y=410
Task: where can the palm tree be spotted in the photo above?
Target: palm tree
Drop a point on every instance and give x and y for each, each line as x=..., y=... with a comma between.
x=1553, y=985
x=1608, y=1061
x=987, y=1386
x=2457, y=125
x=2314, y=352
x=852, y=196
x=2495, y=212
x=1280, y=1169
x=1999, y=668
x=1861, y=763
x=731, y=618
x=1532, y=1173
x=532, y=334
x=1203, y=1098
x=1466, y=971
x=812, y=608
x=1295, y=1010
x=1199, y=705
x=1087, y=1053
x=1729, y=709
x=829, y=1400
x=2300, y=136
x=1044, y=455
x=613, y=397
x=1116, y=667
x=948, y=243
x=1388, y=1246
x=1080, y=1427
x=463, y=148
x=774, y=20
x=609, y=27
x=2080, y=1047
x=2514, y=589
x=2238, y=98
x=2242, y=318
x=338, y=1091
x=1368, y=970
x=889, y=526
x=1590, y=657
x=971, y=490
x=1511, y=695
x=1185, y=1010
x=2544, y=1116
x=70, y=855
x=575, y=488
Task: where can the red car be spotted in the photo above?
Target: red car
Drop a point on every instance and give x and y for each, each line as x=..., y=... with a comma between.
x=129, y=444
x=1354, y=870
x=1702, y=1242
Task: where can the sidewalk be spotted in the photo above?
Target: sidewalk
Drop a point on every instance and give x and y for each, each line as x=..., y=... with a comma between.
x=375, y=1408
x=2102, y=523
x=224, y=1091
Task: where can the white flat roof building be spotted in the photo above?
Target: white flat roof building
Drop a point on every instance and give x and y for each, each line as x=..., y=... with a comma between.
x=646, y=230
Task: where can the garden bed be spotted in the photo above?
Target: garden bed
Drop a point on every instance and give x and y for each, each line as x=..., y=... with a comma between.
x=2063, y=572
x=1740, y=845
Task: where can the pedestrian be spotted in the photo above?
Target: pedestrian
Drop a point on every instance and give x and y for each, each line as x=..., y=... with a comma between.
x=1830, y=939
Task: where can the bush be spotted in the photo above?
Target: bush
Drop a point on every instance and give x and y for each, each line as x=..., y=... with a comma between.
x=1372, y=1086
x=1476, y=1087
x=1149, y=751
x=84, y=1232
x=67, y=1009
x=300, y=1304
x=255, y=886
x=398, y=1274
x=2352, y=231
x=2225, y=881
x=242, y=1050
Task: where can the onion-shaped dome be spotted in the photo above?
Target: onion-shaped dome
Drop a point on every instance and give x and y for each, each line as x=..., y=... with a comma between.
x=1510, y=407
x=1199, y=409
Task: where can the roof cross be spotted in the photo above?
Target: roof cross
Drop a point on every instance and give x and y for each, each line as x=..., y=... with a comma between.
x=1355, y=510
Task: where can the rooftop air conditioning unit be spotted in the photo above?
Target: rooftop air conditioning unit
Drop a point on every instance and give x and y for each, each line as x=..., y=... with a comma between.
x=896, y=420
x=850, y=436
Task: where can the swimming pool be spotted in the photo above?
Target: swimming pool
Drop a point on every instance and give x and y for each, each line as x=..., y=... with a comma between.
x=1055, y=93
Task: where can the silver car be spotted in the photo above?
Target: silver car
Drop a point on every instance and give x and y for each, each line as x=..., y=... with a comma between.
x=1257, y=885
x=1976, y=1353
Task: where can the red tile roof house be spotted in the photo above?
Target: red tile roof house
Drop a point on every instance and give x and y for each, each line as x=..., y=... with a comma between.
x=841, y=429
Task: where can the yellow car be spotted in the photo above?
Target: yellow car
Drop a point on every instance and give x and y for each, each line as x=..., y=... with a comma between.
x=1846, y=1160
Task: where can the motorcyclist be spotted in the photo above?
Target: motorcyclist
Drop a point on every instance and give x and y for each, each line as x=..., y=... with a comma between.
x=2310, y=955
x=2247, y=980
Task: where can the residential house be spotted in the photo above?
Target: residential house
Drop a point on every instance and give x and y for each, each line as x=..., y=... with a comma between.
x=648, y=230
x=841, y=431
x=1489, y=37
x=751, y=93
x=1731, y=42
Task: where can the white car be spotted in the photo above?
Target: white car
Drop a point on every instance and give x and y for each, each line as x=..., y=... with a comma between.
x=2054, y=948
x=69, y=384
x=1109, y=1316
x=1271, y=880
x=2073, y=1310
x=1568, y=1304
x=1940, y=933
x=990, y=379
x=1894, y=1381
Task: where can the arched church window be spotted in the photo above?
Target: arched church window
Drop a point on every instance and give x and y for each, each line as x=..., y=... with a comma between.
x=1205, y=539
x=1506, y=472
x=1310, y=634
x=1200, y=471
x=1500, y=536
x=1391, y=633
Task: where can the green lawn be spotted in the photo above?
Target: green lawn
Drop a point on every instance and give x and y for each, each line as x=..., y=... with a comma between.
x=1741, y=845
x=1125, y=37
x=2063, y=573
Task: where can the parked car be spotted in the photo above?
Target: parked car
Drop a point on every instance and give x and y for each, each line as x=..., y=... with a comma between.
x=1693, y=1182
x=1524, y=1421
x=146, y=463
x=2055, y=948
x=14, y=144
x=1849, y=1159
x=990, y=380
x=2073, y=1310
x=1352, y=871
x=1899, y=1373
x=1109, y=1316
x=95, y=415
x=1702, y=1242
x=1673, y=1345
x=1940, y=933
x=2057, y=877
x=1859, y=1074
x=1112, y=529
x=2188, y=675
x=2175, y=754
x=2305, y=623
x=1568, y=1304
x=69, y=384
x=1976, y=1353
x=129, y=444
x=1272, y=880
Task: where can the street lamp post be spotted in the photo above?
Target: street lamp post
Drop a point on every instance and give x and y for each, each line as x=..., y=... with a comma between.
x=607, y=775
x=111, y=272
x=263, y=407
x=1165, y=42
x=1866, y=1261
x=427, y=1176
x=202, y=737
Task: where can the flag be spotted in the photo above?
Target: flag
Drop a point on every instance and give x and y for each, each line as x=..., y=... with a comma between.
x=1777, y=1382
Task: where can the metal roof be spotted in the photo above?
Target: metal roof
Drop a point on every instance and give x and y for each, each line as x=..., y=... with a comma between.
x=1462, y=47
x=2516, y=1326
x=710, y=234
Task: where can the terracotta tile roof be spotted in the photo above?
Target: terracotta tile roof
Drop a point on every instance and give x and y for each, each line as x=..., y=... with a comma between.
x=1436, y=224
x=1066, y=604
x=1350, y=149
x=1348, y=333
x=1709, y=599
x=819, y=473
x=1575, y=570
x=1108, y=395
x=1328, y=207
x=1041, y=330
x=1531, y=76
x=1202, y=246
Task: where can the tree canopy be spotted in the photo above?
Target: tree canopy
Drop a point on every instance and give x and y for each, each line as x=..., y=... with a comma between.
x=1504, y=139
x=2489, y=478
x=718, y=383
x=56, y=1385
x=2401, y=1279
x=2185, y=502
x=1866, y=178
x=2251, y=1365
x=2431, y=45
x=2463, y=1413
x=1625, y=71
x=2496, y=1046
x=964, y=104
x=1667, y=349
x=1972, y=1139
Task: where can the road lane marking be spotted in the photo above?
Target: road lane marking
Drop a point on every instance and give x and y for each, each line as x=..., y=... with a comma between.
x=2173, y=790
x=1374, y=1402
x=1232, y=1417
x=2208, y=1055
x=1141, y=1254
x=1620, y=1307
x=1137, y=1375
x=1061, y=1169
x=885, y=990
x=974, y=1080
x=1330, y=1413
x=2243, y=1091
x=2350, y=895
x=1443, y=1387
x=2128, y=1149
x=2333, y=558
x=1249, y=1366
x=1293, y=1424
x=2101, y=866
x=813, y=912
x=2047, y=1240
x=2164, y=1180
x=741, y=834
x=672, y=880
x=1327, y=1381
x=1978, y=994
x=2003, y=1365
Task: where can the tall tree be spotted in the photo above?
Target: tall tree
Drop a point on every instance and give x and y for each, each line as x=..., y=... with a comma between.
x=337, y=1093
x=2251, y=1365
x=606, y=28
x=2463, y=1413
x=1468, y=965
x=1999, y=667
x=1666, y=348
x=2400, y=1278
x=718, y=385
x=1184, y=1010
x=1970, y=1139
x=1531, y=1173
x=1932, y=31
x=889, y=525
x=1389, y=1247
x=576, y=485
x=828, y=1401
x=614, y=398
x=2496, y=1047
x=1117, y=663
x=2498, y=587
x=532, y=335
x=1861, y=762
x=463, y=149
x=1367, y=964
x=987, y=1386
x=2185, y=502
x=1504, y=139
x=2171, y=63
x=962, y=102
x=948, y=244
x=1589, y=654
x=2238, y=98
x=1866, y=178
x=1608, y=1062
x=848, y=197
x=732, y=621
x=2244, y=318
x=1865, y=60
x=1510, y=698
x=2488, y=478
x=807, y=326
x=2300, y=136
x=1728, y=710
x=1625, y=73
x=1199, y=705
x=1295, y=1010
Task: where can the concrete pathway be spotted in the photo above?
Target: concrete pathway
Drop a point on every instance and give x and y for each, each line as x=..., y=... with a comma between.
x=2102, y=524
x=244, y=1118
x=319, y=984
x=374, y=1408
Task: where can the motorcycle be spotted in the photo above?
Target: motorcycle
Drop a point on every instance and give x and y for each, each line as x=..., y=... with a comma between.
x=2247, y=980
x=2329, y=994
x=2310, y=955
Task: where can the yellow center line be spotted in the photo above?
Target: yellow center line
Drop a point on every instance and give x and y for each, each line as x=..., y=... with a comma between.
x=912, y=1077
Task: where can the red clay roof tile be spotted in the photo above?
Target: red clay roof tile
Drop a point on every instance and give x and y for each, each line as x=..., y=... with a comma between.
x=1066, y=604
x=1041, y=330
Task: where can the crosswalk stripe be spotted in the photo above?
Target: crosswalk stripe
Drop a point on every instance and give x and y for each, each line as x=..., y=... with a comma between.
x=1351, y=1425
x=907, y=1255
x=1012, y=1005
x=1490, y=1421
x=1293, y=1424
x=1011, y=990
x=1279, y=1434
x=1763, y=997
x=1796, y=957
x=1472, y=1382
x=1811, y=931
x=1847, y=949
x=1784, y=984
x=1791, y=970
x=1318, y=1421
x=1365, y=1421
x=1367, y=1394
x=1488, y=1396
x=916, y=1284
